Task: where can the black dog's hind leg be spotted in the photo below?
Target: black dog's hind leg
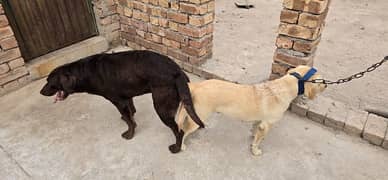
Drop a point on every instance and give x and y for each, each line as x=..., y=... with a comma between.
x=127, y=115
x=166, y=102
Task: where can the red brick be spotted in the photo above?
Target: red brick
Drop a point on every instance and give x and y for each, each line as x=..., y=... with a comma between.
x=287, y=58
x=164, y=3
x=192, y=8
x=139, y=25
x=284, y=42
x=174, y=5
x=317, y=6
x=173, y=26
x=171, y=43
x=129, y=29
x=200, y=60
x=127, y=36
x=8, y=55
x=158, y=48
x=178, y=17
x=298, y=31
x=194, y=51
x=3, y=21
x=11, y=85
x=141, y=16
x=154, y=20
x=200, y=43
x=154, y=38
x=192, y=31
x=311, y=6
x=306, y=46
x=177, y=54
x=5, y=32
x=125, y=20
x=201, y=20
x=140, y=6
x=209, y=29
x=157, y=30
x=289, y=16
x=158, y=12
x=8, y=43
x=211, y=6
x=294, y=4
x=4, y=68
x=163, y=22
x=16, y=63
x=310, y=20
x=128, y=12
x=154, y=2
x=12, y=75
x=176, y=37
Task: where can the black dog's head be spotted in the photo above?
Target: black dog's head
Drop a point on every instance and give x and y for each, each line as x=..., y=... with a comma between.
x=60, y=83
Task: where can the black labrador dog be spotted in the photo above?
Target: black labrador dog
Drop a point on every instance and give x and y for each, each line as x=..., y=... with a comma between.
x=119, y=77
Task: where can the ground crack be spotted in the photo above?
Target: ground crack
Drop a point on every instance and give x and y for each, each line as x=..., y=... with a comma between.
x=14, y=160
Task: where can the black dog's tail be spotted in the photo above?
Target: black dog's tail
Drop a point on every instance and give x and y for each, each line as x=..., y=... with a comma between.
x=185, y=96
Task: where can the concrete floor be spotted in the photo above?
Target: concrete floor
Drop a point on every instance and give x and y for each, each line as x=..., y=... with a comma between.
x=80, y=139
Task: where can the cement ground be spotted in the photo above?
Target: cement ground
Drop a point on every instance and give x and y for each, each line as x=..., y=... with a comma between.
x=80, y=139
x=355, y=37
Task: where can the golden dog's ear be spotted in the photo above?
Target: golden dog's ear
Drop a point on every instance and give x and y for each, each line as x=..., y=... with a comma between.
x=310, y=90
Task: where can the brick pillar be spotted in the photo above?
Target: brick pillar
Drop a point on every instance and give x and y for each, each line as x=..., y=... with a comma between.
x=107, y=20
x=180, y=29
x=299, y=33
x=13, y=72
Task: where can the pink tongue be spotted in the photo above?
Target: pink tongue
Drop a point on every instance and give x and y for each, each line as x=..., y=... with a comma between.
x=58, y=96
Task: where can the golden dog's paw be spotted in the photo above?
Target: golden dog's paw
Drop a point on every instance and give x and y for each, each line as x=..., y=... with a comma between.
x=183, y=147
x=256, y=151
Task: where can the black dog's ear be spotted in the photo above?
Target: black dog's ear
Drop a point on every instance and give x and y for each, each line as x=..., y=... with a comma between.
x=67, y=82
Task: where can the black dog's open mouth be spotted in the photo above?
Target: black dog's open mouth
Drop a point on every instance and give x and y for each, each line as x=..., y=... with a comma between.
x=60, y=96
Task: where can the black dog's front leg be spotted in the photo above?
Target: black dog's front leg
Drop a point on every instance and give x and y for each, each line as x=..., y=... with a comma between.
x=126, y=110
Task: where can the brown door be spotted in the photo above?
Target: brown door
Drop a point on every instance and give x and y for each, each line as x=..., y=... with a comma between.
x=41, y=26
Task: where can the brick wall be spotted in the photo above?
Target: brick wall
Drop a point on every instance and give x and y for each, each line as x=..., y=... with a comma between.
x=180, y=29
x=13, y=72
x=107, y=19
x=299, y=33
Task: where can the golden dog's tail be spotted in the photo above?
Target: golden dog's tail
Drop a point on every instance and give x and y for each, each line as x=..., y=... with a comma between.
x=185, y=97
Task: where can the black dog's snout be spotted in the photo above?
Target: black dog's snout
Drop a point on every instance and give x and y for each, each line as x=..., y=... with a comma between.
x=47, y=91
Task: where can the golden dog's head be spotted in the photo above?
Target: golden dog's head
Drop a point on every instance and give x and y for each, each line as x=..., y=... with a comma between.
x=310, y=89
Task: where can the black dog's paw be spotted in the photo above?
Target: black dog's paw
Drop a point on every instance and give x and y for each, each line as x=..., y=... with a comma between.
x=128, y=134
x=174, y=148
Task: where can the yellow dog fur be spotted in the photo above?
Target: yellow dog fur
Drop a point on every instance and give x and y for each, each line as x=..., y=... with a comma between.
x=263, y=103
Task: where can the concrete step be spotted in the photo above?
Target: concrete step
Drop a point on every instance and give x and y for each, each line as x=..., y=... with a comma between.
x=43, y=65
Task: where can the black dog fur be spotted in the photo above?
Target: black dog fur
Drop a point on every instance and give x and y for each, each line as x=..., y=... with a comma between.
x=119, y=77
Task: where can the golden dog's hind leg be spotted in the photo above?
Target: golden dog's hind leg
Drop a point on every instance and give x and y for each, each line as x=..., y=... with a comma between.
x=260, y=131
x=186, y=124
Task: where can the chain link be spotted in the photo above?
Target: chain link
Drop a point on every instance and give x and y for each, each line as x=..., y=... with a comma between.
x=354, y=76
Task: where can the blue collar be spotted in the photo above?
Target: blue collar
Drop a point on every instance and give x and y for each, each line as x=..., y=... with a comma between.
x=302, y=80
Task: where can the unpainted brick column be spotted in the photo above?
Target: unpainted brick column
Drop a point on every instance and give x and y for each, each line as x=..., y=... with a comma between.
x=13, y=72
x=299, y=33
x=180, y=29
x=107, y=20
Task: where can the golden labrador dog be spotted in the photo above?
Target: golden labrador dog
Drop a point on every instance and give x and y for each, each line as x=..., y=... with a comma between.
x=262, y=103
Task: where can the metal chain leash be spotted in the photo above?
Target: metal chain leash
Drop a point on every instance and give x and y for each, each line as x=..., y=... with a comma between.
x=354, y=76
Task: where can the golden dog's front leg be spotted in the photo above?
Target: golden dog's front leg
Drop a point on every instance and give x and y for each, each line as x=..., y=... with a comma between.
x=260, y=131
